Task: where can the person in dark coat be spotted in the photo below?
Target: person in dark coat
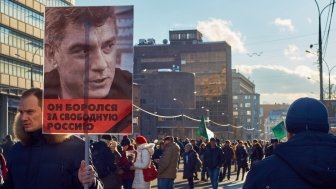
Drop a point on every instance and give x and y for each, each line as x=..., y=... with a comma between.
x=241, y=155
x=190, y=158
x=307, y=160
x=40, y=161
x=157, y=154
x=204, y=172
x=126, y=162
x=213, y=160
x=257, y=152
x=228, y=157
x=270, y=148
x=105, y=158
x=7, y=144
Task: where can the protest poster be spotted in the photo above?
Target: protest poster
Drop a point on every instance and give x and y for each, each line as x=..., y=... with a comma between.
x=88, y=70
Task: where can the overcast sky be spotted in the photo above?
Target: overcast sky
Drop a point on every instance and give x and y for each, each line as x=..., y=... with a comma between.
x=268, y=38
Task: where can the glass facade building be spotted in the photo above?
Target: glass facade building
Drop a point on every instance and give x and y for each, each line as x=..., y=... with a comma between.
x=209, y=62
x=21, y=52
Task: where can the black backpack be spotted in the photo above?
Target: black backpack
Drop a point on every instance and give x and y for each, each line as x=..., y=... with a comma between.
x=102, y=159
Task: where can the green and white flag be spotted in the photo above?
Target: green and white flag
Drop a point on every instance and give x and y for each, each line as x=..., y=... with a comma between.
x=202, y=130
x=279, y=130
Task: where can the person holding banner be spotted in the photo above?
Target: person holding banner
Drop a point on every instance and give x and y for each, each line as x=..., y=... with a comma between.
x=40, y=161
x=307, y=160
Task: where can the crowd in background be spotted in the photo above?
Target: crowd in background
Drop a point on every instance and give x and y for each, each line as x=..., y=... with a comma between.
x=211, y=160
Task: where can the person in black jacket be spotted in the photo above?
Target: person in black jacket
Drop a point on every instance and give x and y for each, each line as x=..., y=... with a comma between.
x=228, y=157
x=40, y=161
x=213, y=160
x=190, y=159
x=241, y=156
x=104, y=162
x=307, y=160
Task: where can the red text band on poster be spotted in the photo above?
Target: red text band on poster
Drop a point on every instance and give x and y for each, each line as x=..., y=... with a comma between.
x=91, y=116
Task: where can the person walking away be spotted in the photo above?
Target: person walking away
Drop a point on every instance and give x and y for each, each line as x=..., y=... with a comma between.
x=168, y=165
x=228, y=157
x=257, y=152
x=213, y=160
x=142, y=161
x=307, y=160
x=241, y=155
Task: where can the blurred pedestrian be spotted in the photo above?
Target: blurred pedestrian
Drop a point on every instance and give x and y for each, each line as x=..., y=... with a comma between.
x=3, y=168
x=257, y=152
x=190, y=159
x=241, y=155
x=228, y=157
x=126, y=163
x=270, y=148
x=307, y=160
x=213, y=160
x=158, y=153
x=104, y=162
x=142, y=161
x=6, y=145
x=168, y=165
x=40, y=161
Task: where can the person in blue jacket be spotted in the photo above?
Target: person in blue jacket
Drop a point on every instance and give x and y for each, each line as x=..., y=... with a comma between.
x=307, y=160
x=39, y=161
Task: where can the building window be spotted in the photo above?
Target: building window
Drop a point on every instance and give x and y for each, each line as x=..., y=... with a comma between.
x=247, y=105
x=235, y=97
x=248, y=112
x=21, y=13
x=248, y=120
x=20, y=41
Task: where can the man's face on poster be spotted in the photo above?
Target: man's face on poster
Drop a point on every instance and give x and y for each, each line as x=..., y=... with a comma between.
x=87, y=52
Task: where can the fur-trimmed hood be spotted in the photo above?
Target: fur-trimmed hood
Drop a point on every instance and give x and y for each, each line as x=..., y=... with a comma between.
x=26, y=138
x=148, y=146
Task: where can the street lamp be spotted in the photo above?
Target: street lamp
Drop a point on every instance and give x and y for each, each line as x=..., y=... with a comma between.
x=320, y=46
x=182, y=112
x=329, y=72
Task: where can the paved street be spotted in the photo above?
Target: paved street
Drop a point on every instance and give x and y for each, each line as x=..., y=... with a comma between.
x=183, y=183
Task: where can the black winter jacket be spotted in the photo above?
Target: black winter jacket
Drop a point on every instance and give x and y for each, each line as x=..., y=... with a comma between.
x=39, y=164
x=307, y=161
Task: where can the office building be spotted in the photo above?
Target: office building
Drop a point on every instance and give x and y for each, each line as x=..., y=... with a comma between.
x=246, y=106
x=209, y=62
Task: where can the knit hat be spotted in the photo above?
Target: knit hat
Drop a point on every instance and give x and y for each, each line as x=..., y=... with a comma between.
x=140, y=140
x=125, y=141
x=106, y=137
x=307, y=114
